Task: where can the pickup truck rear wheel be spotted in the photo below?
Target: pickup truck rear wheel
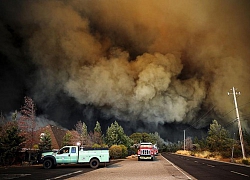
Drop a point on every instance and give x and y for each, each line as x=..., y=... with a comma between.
x=47, y=164
x=94, y=163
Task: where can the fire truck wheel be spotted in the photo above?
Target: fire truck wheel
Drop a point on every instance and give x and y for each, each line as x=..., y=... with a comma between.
x=94, y=163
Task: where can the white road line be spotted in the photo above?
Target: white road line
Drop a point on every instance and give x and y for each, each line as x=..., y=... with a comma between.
x=65, y=175
x=239, y=173
x=13, y=176
x=177, y=168
x=210, y=165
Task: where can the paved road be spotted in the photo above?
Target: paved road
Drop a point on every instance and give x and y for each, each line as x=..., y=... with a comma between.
x=132, y=169
x=37, y=172
x=207, y=169
x=129, y=168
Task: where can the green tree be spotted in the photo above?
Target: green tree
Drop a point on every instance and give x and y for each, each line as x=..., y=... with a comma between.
x=115, y=136
x=136, y=138
x=67, y=139
x=82, y=131
x=45, y=141
x=218, y=137
x=97, y=136
x=10, y=142
x=84, y=135
x=144, y=137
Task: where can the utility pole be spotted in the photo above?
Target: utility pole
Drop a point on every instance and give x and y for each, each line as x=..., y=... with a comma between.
x=232, y=157
x=238, y=118
x=184, y=144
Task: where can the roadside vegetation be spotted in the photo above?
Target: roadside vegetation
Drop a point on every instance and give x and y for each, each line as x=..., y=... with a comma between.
x=218, y=146
x=19, y=132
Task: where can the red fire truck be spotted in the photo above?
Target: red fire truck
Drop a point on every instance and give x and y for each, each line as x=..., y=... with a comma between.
x=146, y=151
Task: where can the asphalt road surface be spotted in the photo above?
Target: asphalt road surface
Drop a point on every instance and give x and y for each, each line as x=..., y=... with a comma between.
x=129, y=168
x=132, y=169
x=37, y=172
x=207, y=169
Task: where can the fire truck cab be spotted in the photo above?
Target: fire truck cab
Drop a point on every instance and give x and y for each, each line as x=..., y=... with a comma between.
x=146, y=151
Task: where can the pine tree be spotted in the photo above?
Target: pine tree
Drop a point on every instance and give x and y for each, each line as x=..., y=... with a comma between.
x=115, y=136
x=67, y=139
x=11, y=142
x=218, y=137
x=84, y=135
x=84, y=138
x=97, y=136
x=45, y=141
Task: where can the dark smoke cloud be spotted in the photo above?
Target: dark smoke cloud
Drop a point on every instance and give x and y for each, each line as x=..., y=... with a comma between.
x=149, y=64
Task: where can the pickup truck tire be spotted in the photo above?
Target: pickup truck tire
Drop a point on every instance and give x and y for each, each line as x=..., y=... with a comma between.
x=94, y=163
x=47, y=164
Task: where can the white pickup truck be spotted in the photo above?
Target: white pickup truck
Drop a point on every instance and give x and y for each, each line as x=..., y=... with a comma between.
x=75, y=155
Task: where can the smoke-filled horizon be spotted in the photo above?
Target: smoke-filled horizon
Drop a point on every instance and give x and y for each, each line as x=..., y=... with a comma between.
x=141, y=62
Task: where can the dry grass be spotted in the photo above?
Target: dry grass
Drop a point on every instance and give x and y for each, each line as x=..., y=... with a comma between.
x=182, y=152
x=211, y=155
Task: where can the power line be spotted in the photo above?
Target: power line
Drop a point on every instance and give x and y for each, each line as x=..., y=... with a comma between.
x=234, y=109
x=202, y=117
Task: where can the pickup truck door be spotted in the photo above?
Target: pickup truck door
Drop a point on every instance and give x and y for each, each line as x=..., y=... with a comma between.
x=74, y=155
x=63, y=156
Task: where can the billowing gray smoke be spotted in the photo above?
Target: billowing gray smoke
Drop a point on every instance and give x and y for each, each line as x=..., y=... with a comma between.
x=156, y=62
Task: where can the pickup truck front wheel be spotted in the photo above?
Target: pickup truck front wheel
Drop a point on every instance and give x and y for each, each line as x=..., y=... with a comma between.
x=47, y=164
x=94, y=163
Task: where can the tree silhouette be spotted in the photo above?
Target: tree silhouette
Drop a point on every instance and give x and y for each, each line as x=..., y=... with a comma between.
x=26, y=122
x=10, y=142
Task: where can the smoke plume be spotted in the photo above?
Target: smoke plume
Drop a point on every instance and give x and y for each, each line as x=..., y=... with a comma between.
x=144, y=62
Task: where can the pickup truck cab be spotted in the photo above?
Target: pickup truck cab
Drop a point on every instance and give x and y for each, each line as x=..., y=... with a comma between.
x=75, y=155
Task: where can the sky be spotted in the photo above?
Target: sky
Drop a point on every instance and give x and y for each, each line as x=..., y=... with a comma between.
x=160, y=65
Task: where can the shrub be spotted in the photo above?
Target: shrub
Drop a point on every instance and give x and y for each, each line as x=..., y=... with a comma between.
x=96, y=146
x=245, y=161
x=226, y=154
x=118, y=151
x=104, y=145
x=124, y=151
x=115, y=151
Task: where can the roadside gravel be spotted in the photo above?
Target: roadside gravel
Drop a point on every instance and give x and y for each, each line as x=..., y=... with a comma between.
x=133, y=169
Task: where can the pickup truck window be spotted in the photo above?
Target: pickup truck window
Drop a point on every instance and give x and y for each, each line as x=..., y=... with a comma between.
x=64, y=150
x=73, y=150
